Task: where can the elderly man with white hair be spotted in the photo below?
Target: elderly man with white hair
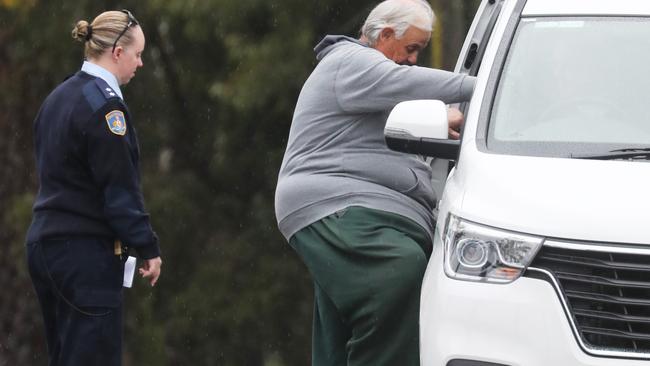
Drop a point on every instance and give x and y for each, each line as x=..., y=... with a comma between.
x=358, y=214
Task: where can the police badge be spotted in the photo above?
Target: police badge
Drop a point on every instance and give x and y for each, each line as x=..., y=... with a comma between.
x=116, y=122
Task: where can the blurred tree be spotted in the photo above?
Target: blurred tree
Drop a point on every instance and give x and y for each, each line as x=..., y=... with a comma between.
x=453, y=19
x=212, y=106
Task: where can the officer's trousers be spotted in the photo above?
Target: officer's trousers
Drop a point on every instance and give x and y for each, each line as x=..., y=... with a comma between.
x=79, y=288
x=367, y=267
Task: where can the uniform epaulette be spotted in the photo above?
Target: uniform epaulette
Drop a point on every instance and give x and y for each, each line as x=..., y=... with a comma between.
x=103, y=86
x=98, y=93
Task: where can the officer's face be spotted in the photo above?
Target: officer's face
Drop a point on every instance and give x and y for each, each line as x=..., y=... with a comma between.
x=130, y=58
x=406, y=49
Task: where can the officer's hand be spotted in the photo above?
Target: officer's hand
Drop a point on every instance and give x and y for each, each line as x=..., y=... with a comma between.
x=456, y=119
x=151, y=268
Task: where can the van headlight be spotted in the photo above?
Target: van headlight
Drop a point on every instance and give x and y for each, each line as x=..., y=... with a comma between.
x=476, y=252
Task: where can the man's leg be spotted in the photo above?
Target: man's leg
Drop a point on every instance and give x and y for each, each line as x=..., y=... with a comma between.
x=330, y=334
x=370, y=265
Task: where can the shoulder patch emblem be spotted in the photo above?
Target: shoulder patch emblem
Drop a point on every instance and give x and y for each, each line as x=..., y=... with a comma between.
x=116, y=122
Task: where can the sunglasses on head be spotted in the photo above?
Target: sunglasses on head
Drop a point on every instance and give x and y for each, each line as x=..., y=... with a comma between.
x=130, y=23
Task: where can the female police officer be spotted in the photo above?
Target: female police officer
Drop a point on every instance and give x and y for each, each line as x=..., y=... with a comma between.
x=89, y=200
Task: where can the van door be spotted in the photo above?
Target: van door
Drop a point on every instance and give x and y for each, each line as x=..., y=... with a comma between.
x=469, y=62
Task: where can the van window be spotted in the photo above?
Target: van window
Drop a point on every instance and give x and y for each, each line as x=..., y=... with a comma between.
x=573, y=86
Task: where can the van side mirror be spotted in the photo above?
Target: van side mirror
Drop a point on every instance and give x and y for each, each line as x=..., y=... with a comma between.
x=421, y=127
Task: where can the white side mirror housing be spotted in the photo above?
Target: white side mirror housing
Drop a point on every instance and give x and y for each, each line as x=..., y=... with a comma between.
x=418, y=118
x=421, y=127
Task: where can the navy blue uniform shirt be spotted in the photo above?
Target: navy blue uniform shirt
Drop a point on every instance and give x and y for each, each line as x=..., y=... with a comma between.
x=87, y=159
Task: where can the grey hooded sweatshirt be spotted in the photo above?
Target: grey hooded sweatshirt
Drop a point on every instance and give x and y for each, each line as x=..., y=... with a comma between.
x=336, y=155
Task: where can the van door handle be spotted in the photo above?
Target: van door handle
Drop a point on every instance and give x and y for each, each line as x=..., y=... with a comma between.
x=471, y=56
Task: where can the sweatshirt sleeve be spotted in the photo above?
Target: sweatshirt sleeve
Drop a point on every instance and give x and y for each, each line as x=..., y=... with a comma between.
x=366, y=81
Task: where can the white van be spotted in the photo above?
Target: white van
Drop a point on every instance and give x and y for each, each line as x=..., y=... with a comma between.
x=542, y=246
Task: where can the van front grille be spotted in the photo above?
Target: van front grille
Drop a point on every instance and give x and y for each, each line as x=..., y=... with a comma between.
x=607, y=291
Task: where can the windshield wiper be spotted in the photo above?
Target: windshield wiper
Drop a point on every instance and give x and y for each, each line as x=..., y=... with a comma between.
x=624, y=154
x=632, y=149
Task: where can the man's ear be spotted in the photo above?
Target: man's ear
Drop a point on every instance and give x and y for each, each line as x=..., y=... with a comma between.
x=386, y=34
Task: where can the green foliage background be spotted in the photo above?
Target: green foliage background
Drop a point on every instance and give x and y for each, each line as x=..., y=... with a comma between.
x=213, y=107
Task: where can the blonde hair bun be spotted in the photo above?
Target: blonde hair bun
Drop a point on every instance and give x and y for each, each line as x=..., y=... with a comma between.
x=81, y=32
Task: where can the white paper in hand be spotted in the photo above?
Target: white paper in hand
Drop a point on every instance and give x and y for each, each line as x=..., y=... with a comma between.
x=129, y=272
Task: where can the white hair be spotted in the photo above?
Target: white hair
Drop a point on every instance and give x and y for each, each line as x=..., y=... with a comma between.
x=399, y=15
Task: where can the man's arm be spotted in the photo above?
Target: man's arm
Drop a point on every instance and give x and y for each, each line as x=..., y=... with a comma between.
x=367, y=82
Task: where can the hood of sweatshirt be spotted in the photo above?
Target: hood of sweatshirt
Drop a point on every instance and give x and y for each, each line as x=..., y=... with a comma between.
x=327, y=44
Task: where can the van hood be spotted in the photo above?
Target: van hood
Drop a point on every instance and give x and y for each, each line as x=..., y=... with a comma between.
x=577, y=199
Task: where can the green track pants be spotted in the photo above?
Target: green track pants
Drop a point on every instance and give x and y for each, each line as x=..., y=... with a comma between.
x=367, y=266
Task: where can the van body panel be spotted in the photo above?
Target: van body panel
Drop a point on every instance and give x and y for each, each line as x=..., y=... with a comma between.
x=518, y=324
x=589, y=7
x=557, y=197
x=579, y=205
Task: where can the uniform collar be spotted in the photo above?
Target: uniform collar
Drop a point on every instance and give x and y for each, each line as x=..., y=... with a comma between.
x=102, y=73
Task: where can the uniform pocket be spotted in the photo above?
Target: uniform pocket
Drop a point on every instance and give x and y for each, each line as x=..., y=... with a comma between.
x=97, y=297
x=89, y=273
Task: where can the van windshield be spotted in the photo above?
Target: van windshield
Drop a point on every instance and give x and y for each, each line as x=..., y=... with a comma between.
x=573, y=86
